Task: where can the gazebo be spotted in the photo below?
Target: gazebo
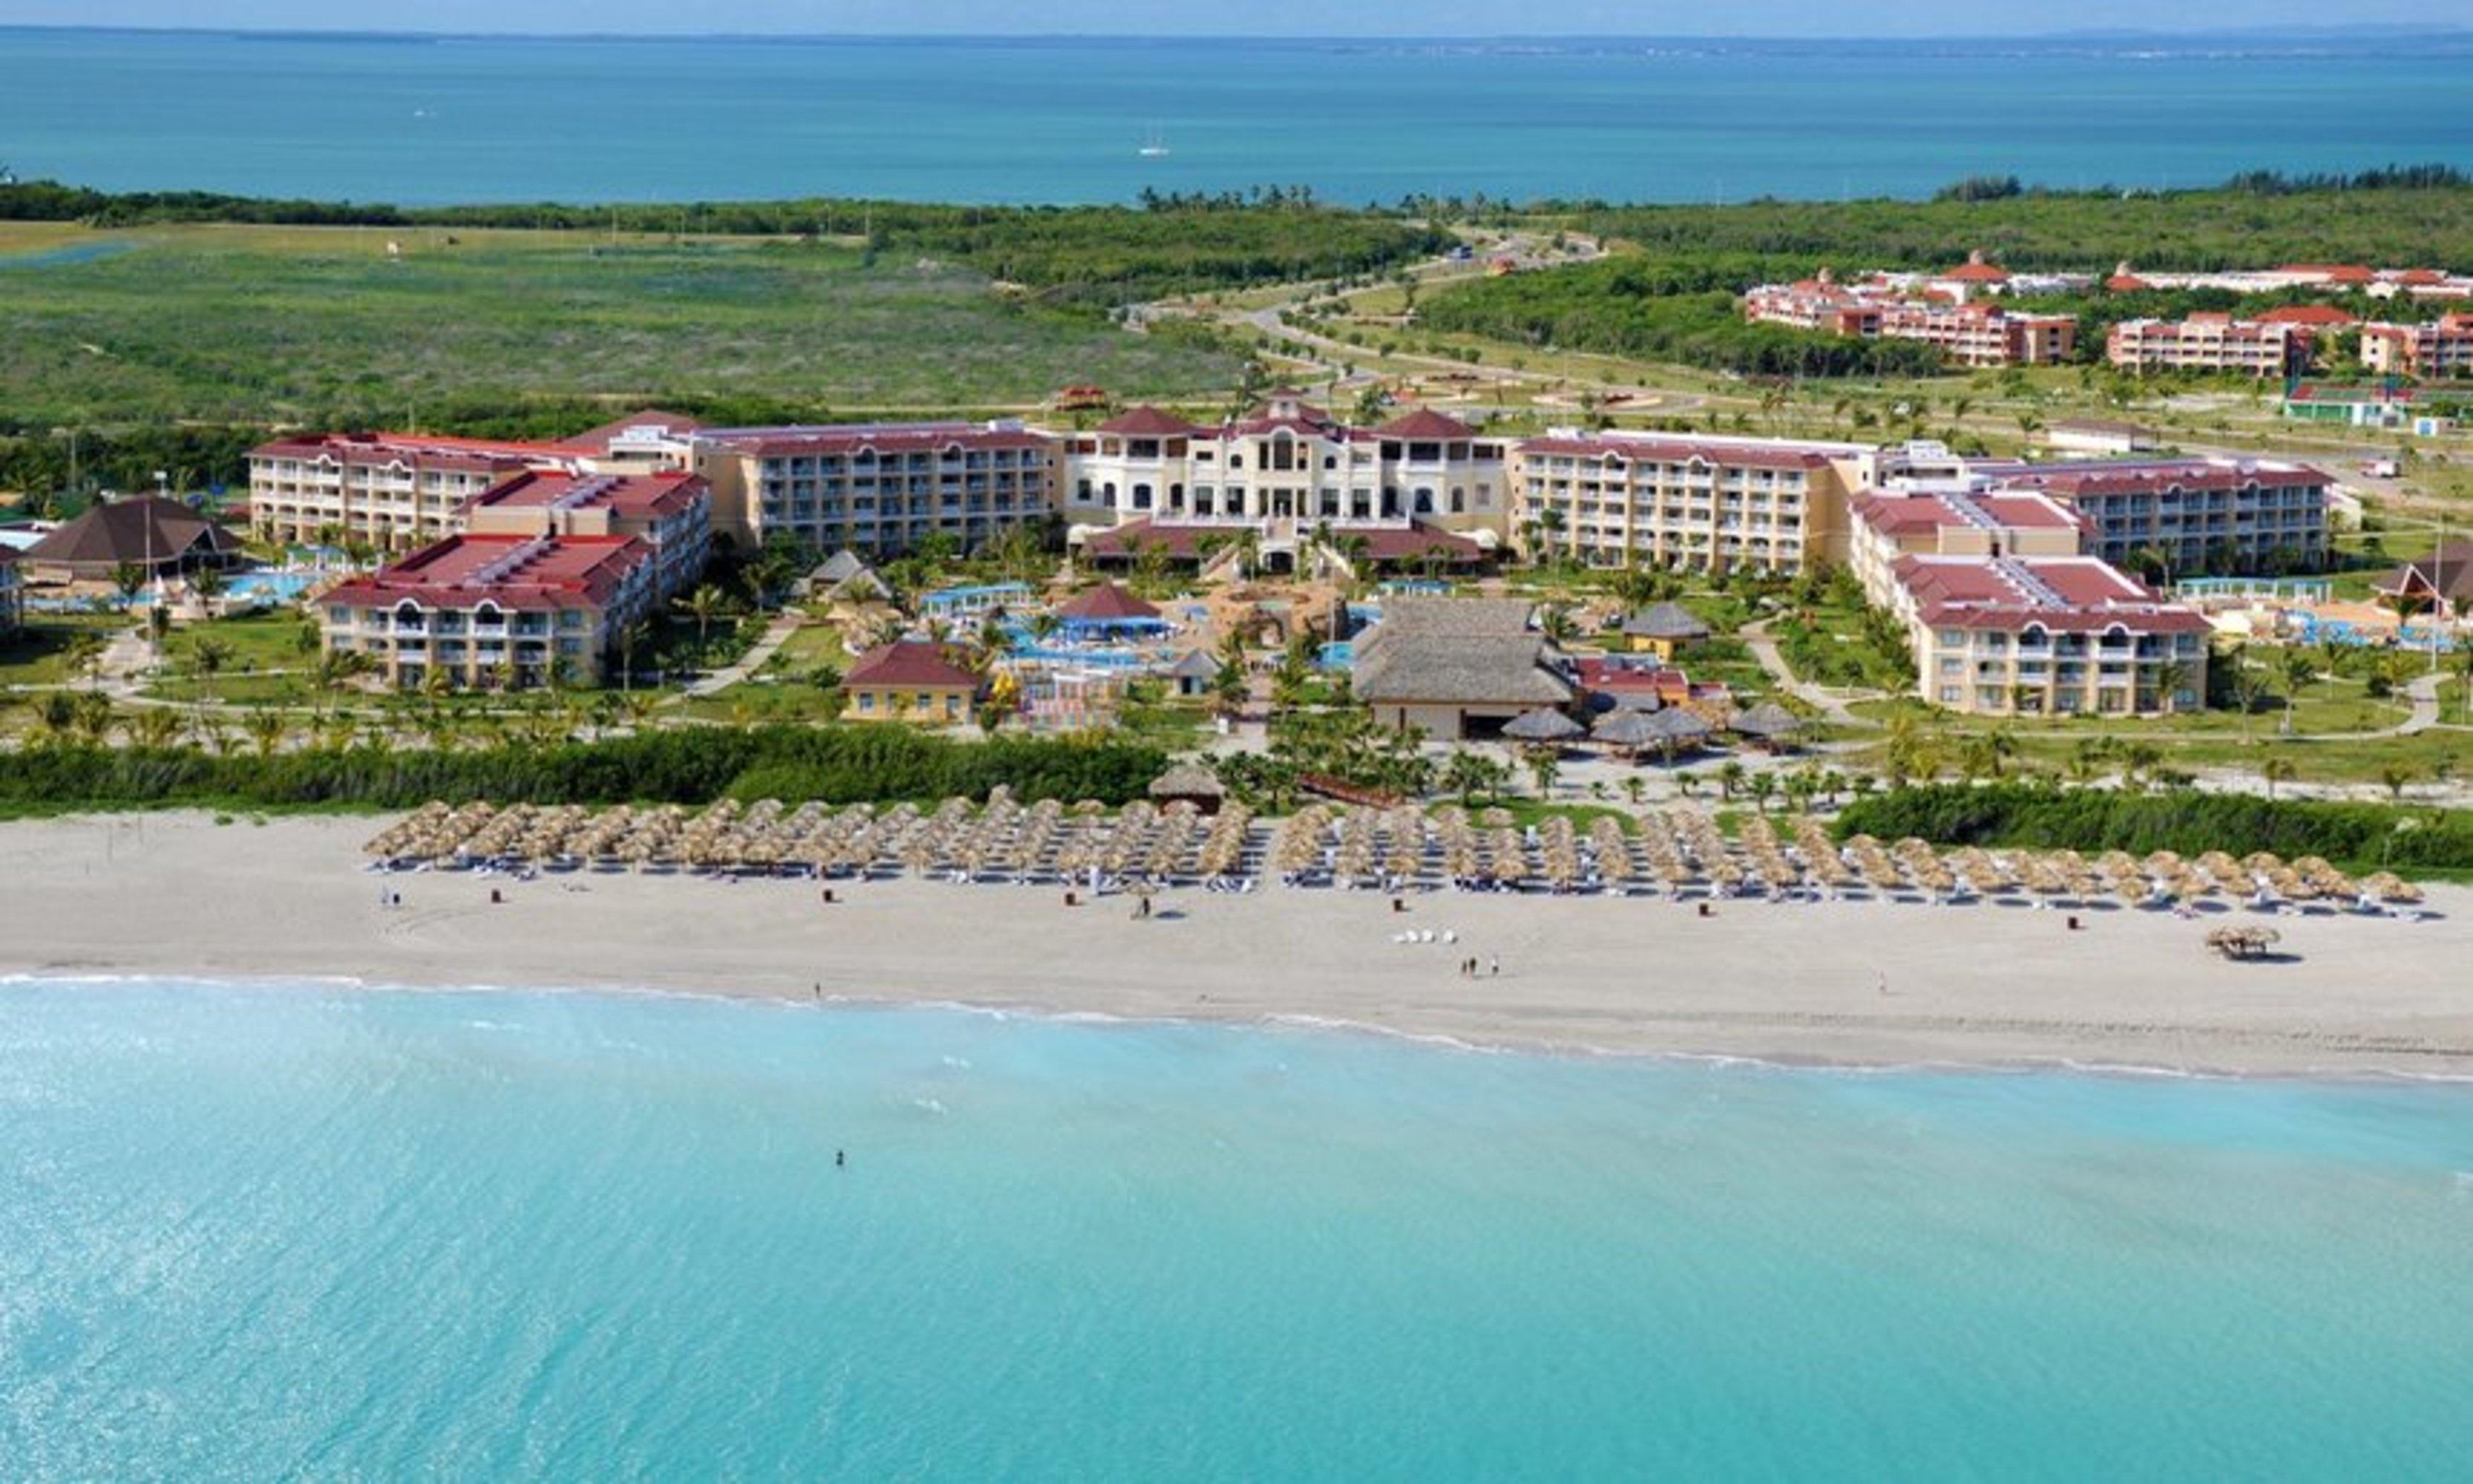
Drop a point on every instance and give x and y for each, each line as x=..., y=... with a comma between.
x=1668, y=731
x=1108, y=612
x=1768, y=725
x=1663, y=627
x=1543, y=727
x=1192, y=782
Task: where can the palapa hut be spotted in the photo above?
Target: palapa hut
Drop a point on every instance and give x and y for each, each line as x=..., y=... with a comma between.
x=1192, y=782
x=1663, y=628
x=1665, y=732
x=1768, y=725
x=846, y=577
x=1542, y=727
x=1455, y=667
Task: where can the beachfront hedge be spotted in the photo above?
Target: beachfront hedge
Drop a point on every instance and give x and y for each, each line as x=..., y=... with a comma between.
x=2357, y=837
x=687, y=765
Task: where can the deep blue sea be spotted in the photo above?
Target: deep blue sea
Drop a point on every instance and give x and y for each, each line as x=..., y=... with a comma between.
x=298, y=1232
x=442, y=119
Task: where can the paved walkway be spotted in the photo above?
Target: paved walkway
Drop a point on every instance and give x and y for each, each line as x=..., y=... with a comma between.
x=776, y=635
x=1830, y=704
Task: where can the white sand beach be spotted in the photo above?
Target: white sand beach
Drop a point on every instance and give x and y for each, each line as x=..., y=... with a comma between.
x=1855, y=983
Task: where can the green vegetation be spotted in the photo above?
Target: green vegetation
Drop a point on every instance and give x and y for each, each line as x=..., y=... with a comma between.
x=2355, y=837
x=1660, y=310
x=684, y=765
x=513, y=332
x=2398, y=218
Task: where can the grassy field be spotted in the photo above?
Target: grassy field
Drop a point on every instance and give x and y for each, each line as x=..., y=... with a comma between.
x=318, y=324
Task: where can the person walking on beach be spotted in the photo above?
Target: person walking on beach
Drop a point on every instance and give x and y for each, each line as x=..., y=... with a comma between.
x=1494, y=965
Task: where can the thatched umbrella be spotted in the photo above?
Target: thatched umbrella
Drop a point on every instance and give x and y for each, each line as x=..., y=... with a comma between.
x=1543, y=726
x=1768, y=723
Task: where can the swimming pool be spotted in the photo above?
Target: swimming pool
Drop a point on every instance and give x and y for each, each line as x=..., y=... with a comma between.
x=270, y=587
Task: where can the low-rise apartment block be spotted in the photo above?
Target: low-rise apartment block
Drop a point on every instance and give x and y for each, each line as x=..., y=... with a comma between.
x=876, y=487
x=2198, y=514
x=1953, y=312
x=2210, y=343
x=670, y=511
x=2004, y=616
x=1616, y=499
x=495, y=610
x=2439, y=350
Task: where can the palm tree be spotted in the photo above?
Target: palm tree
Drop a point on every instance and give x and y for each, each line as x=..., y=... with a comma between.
x=1762, y=787
x=2395, y=776
x=2171, y=676
x=2277, y=769
x=704, y=605
x=208, y=655
x=265, y=728
x=1730, y=777
x=2295, y=667
x=1543, y=768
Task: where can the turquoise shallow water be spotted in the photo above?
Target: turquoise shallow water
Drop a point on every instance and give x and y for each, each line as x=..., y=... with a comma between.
x=297, y=1232
x=433, y=120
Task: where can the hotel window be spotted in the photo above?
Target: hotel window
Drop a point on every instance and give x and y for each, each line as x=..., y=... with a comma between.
x=866, y=702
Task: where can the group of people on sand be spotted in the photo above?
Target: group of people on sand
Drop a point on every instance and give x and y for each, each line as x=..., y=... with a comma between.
x=1493, y=968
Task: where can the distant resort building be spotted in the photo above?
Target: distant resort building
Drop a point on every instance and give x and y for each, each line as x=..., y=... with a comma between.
x=881, y=488
x=2210, y=343
x=1616, y=499
x=157, y=537
x=1952, y=311
x=2443, y=579
x=2439, y=350
x=2418, y=283
x=908, y=681
x=2004, y=616
x=2098, y=435
x=1422, y=489
x=1663, y=628
x=496, y=610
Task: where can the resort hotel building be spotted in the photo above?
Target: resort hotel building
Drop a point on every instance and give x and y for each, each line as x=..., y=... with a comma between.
x=1952, y=311
x=2439, y=348
x=2210, y=343
x=1421, y=487
x=492, y=609
x=395, y=490
x=671, y=512
x=2003, y=615
x=1616, y=499
x=2215, y=513
x=877, y=488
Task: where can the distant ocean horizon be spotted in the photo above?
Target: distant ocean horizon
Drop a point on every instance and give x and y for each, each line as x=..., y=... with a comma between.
x=1067, y=119
x=289, y=1229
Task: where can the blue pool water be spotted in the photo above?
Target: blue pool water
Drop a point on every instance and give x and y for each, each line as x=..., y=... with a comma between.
x=270, y=587
x=292, y=1232
x=428, y=120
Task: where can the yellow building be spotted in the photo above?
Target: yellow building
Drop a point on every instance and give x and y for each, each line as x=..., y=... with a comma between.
x=908, y=681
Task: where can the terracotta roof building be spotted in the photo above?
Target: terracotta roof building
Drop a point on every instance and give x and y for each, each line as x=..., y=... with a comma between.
x=483, y=610
x=670, y=511
x=157, y=536
x=908, y=680
x=876, y=487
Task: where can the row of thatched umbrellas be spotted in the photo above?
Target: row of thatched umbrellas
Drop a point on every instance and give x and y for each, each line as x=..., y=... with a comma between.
x=1049, y=840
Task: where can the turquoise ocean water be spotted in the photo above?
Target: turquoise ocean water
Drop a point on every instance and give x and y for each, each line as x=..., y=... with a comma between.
x=275, y=1231
x=432, y=120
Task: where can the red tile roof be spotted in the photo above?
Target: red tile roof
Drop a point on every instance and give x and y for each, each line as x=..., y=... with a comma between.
x=1679, y=450
x=1895, y=514
x=909, y=664
x=514, y=572
x=1428, y=424
x=1104, y=601
x=425, y=449
x=2313, y=315
x=2063, y=594
x=630, y=496
x=879, y=437
x=597, y=441
x=2204, y=475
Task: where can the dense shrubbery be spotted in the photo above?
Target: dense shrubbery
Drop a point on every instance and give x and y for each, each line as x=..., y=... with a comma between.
x=1656, y=310
x=1087, y=254
x=687, y=765
x=2397, y=216
x=2354, y=836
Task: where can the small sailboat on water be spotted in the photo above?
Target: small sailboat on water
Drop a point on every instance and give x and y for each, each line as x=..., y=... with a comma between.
x=1153, y=145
